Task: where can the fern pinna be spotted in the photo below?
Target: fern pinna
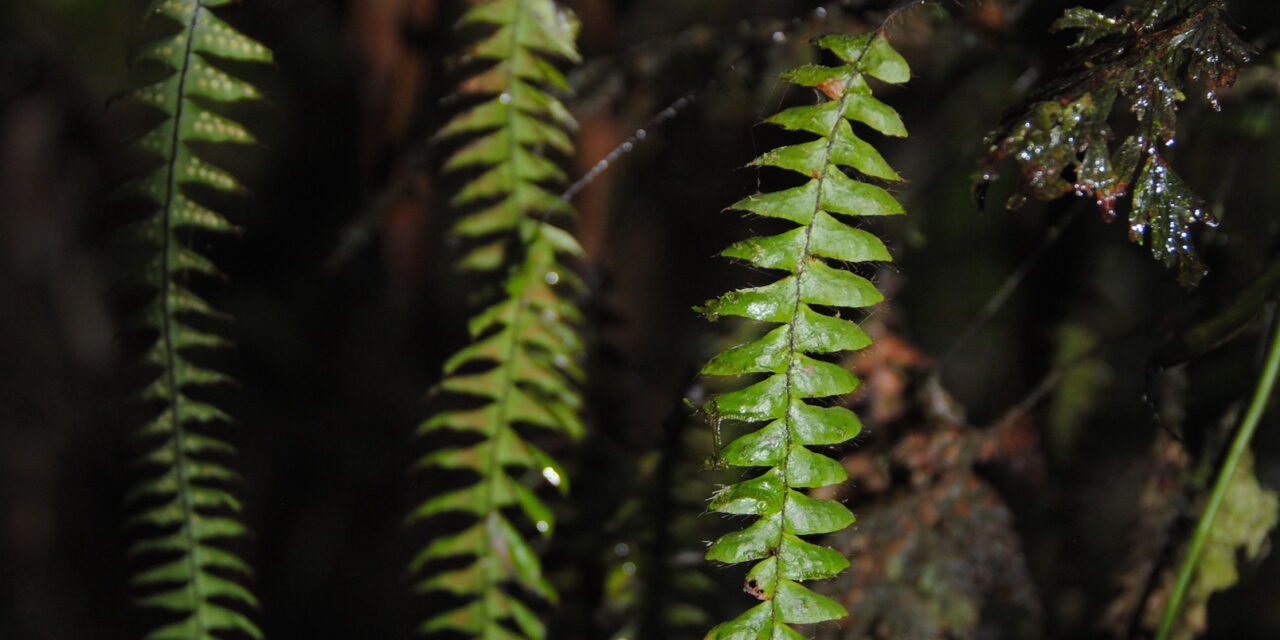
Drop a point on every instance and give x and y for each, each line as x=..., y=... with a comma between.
x=791, y=355
x=521, y=367
x=184, y=508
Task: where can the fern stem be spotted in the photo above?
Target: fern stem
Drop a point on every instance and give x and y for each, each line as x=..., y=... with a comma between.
x=1239, y=444
x=493, y=466
x=791, y=341
x=185, y=491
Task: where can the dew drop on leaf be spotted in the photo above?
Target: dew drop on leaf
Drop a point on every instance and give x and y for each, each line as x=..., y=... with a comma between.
x=551, y=475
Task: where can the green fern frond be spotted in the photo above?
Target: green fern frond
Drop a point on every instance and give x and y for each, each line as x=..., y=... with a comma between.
x=521, y=367
x=183, y=509
x=793, y=356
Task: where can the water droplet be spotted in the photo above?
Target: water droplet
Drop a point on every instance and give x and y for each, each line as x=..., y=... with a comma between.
x=551, y=475
x=551, y=277
x=641, y=134
x=627, y=147
x=1170, y=142
x=779, y=37
x=562, y=18
x=549, y=316
x=504, y=98
x=629, y=568
x=820, y=12
x=621, y=549
x=542, y=526
x=560, y=360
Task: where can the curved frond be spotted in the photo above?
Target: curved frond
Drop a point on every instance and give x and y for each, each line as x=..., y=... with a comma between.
x=521, y=368
x=184, y=511
x=790, y=361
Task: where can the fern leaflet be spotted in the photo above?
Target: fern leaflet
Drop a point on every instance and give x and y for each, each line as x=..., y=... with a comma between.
x=185, y=508
x=790, y=356
x=521, y=366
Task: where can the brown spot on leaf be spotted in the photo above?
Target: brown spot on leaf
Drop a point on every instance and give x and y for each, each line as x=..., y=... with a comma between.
x=832, y=88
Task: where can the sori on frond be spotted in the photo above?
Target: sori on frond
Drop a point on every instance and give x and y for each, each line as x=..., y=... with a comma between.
x=184, y=510
x=794, y=381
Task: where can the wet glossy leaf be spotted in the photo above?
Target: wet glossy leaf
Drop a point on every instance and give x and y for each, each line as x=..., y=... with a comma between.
x=807, y=561
x=1149, y=54
x=807, y=256
x=1092, y=25
x=798, y=605
x=1164, y=209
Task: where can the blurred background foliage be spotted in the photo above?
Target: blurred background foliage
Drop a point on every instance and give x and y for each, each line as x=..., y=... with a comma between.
x=1031, y=475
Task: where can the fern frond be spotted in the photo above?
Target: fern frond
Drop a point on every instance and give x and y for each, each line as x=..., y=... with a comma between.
x=521, y=367
x=1150, y=55
x=793, y=356
x=184, y=510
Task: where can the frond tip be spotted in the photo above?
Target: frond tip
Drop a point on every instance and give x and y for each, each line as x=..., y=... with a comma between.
x=790, y=356
x=184, y=511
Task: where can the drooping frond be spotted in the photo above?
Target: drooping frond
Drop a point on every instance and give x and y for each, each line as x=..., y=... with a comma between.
x=184, y=508
x=791, y=360
x=521, y=368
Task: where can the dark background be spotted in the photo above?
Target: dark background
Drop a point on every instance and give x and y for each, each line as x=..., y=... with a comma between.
x=345, y=305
